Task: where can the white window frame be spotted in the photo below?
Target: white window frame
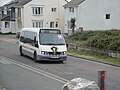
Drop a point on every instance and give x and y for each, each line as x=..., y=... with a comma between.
x=108, y=16
x=37, y=23
x=19, y=12
x=52, y=24
x=53, y=9
x=7, y=24
x=37, y=10
x=68, y=25
x=71, y=9
x=56, y=24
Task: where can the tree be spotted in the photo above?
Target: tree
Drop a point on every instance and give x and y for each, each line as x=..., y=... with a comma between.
x=73, y=24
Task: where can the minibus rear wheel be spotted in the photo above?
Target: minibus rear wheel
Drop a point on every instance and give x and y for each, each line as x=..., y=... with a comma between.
x=35, y=56
x=21, y=53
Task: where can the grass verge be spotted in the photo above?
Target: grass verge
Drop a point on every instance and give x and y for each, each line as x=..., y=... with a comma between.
x=104, y=58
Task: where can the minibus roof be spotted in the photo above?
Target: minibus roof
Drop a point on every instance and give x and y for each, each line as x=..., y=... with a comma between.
x=37, y=29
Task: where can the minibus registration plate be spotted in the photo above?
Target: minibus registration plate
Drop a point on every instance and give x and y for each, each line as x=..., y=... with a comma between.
x=54, y=57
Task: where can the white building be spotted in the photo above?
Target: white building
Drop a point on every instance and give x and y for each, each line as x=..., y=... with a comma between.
x=93, y=14
x=40, y=13
x=8, y=18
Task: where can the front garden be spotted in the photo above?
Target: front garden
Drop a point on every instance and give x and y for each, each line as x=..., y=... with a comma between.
x=103, y=46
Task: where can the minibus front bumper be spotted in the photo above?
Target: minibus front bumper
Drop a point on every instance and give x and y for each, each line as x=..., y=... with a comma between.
x=52, y=58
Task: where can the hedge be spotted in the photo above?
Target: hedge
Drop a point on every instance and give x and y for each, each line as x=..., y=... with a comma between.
x=108, y=39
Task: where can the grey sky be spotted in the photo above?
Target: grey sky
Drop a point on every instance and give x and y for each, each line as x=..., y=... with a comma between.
x=2, y=2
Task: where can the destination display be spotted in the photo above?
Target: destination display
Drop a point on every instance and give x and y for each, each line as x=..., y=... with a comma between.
x=52, y=31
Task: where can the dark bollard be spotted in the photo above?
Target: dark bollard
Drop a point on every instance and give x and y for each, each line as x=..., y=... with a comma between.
x=101, y=80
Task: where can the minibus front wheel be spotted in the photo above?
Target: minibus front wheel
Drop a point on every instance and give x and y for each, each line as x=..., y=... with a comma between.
x=35, y=56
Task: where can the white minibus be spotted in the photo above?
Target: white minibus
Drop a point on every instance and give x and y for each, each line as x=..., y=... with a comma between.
x=45, y=44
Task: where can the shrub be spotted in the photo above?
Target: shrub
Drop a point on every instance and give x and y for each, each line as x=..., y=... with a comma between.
x=82, y=35
x=115, y=44
x=109, y=39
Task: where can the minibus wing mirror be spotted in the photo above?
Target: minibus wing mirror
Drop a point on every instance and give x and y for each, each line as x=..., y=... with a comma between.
x=35, y=42
x=36, y=45
x=34, y=39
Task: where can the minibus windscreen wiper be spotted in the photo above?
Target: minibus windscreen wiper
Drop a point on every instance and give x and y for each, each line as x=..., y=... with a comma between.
x=48, y=44
x=60, y=44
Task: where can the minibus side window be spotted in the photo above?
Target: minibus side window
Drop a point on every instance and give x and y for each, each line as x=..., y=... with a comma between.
x=29, y=40
x=25, y=37
x=29, y=37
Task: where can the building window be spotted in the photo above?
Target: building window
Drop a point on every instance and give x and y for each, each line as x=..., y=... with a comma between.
x=37, y=23
x=107, y=16
x=7, y=24
x=53, y=9
x=69, y=25
x=56, y=24
x=19, y=24
x=37, y=10
x=51, y=24
x=71, y=9
x=19, y=12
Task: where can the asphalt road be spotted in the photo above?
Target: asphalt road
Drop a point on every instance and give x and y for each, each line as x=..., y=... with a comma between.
x=16, y=76
x=73, y=67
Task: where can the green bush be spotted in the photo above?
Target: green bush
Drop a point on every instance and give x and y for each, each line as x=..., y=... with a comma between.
x=108, y=40
x=82, y=35
x=115, y=44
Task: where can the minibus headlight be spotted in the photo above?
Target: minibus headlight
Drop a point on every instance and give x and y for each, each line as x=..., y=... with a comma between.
x=42, y=52
x=63, y=53
x=45, y=53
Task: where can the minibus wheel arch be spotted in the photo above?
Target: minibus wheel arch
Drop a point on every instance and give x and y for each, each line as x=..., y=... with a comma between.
x=35, y=56
x=20, y=49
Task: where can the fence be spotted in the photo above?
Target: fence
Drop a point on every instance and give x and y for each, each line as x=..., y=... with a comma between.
x=115, y=54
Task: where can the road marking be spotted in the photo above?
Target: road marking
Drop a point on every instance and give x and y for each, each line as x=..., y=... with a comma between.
x=49, y=75
x=4, y=61
x=69, y=73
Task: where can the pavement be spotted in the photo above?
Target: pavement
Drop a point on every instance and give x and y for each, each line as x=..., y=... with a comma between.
x=10, y=38
x=2, y=88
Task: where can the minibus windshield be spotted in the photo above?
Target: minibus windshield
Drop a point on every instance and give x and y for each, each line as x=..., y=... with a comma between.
x=51, y=39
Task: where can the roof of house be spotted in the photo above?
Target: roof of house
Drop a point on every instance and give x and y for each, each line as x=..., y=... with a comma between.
x=11, y=3
x=73, y=3
x=16, y=3
x=22, y=2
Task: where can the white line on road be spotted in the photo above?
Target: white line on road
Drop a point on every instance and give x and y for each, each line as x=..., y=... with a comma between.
x=49, y=75
x=4, y=61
